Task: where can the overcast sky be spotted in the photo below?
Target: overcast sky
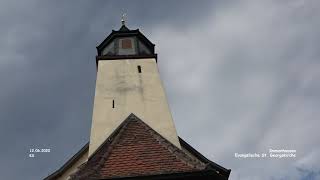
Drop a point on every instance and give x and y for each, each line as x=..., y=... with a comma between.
x=240, y=76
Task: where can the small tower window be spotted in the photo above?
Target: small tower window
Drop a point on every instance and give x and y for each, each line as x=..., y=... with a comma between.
x=139, y=69
x=112, y=103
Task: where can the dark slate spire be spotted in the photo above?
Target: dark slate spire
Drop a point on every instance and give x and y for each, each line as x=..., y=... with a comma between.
x=124, y=28
x=126, y=42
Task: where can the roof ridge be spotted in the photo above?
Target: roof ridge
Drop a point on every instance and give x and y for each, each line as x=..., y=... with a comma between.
x=180, y=154
x=113, y=141
x=93, y=167
x=113, y=138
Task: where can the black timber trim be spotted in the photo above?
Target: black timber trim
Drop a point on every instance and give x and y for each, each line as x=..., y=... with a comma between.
x=211, y=165
x=131, y=57
x=69, y=163
x=196, y=175
x=112, y=136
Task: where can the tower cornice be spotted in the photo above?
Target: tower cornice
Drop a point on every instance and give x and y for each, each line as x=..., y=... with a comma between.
x=132, y=57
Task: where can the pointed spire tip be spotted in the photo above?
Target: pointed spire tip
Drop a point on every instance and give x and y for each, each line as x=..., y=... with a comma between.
x=123, y=21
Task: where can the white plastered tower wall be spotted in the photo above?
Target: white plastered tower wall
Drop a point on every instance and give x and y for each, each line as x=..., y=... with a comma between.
x=122, y=90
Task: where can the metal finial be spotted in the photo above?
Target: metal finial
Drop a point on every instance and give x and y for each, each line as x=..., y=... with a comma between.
x=123, y=21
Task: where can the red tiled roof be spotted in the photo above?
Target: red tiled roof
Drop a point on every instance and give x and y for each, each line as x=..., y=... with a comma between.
x=135, y=149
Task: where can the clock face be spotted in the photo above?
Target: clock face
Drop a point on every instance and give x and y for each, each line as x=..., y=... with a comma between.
x=126, y=46
x=126, y=43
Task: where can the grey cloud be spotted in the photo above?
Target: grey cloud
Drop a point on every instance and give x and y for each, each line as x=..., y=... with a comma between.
x=253, y=66
x=236, y=74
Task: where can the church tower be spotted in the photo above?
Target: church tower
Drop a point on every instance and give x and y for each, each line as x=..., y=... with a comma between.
x=133, y=134
x=128, y=82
